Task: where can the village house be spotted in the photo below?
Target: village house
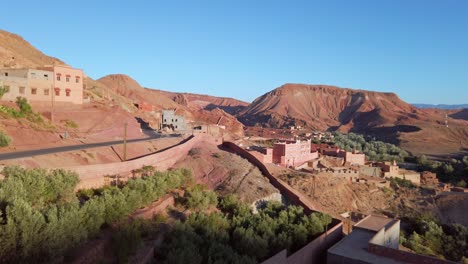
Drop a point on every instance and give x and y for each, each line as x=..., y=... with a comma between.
x=61, y=84
x=293, y=153
x=350, y=158
x=286, y=153
x=172, y=121
x=391, y=169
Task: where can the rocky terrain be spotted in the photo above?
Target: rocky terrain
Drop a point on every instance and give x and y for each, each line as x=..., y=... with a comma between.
x=227, y=173
x=334, y=195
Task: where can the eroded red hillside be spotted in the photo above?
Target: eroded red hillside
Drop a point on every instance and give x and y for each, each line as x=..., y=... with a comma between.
x=384, y=115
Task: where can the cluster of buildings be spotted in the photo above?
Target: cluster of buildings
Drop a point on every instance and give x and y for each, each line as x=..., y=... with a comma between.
x=351, y=165
x=299, y=152
x=61, y=84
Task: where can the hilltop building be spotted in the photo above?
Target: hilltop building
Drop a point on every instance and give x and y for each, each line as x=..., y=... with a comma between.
x=60, y=84
x=172, y=121
x=292, y=153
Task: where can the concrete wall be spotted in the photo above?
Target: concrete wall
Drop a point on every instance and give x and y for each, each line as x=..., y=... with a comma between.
x=404, y=256
x=413, y=176
x=370, y=171
x=93, y=176
x=353, y=158
x=388, y=236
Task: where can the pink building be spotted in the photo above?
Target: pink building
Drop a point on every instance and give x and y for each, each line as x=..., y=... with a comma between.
x=293, y=153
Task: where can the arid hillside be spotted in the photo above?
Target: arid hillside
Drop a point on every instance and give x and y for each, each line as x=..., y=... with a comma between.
x=384, y=115
x=207, y=102
x=15, y=52
x=126, y=87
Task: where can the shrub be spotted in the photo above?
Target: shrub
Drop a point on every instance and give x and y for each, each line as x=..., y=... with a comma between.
x=5, y=140
x=194, y=152
x=398, y=182
x=70, y=123
x=3, y=90
x=200, y=199
x=24, y=106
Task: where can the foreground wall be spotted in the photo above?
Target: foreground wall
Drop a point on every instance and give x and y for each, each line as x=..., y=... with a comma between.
x=93, y=176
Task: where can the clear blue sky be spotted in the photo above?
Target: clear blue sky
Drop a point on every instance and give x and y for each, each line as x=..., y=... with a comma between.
x=245, y=48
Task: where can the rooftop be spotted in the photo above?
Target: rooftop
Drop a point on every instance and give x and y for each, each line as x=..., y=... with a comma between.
x=375, y=223
x=355, y=246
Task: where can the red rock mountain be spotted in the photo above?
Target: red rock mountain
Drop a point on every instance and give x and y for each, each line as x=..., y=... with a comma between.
x=382, y=114
x=322, y=107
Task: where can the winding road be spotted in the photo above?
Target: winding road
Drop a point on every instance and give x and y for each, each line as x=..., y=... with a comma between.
x=36, y=152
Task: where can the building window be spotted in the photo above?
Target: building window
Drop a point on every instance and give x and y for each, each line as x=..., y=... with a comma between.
x=46, y=91
x=57, y=91
x=33, y=90
x=22, y=89
x=67, y=78
x=67, y=92
x=58, y=77
x=33, y=75
x=6, y=73
x=46, y=76
x=77, y=79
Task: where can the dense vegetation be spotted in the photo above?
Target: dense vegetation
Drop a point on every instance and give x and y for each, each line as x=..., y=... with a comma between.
x=374, y=150
x=454, y=171
x=200, y=199
x=41, y=217
x=236, y=235
x=427, y=237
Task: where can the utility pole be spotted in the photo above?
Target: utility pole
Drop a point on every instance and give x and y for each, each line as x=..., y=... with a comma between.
x=125, y=143
x=52, y=97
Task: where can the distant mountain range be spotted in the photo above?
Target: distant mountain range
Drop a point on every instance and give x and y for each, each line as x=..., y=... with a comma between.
x=441, y=106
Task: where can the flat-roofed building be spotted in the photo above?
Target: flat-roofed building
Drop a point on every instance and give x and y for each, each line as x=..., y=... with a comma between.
x=46, y=84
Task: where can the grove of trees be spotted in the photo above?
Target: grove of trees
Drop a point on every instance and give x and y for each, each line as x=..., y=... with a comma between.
x=41, y=216
x=427, y=237
x=374, y=150
x=235, y=235
x=454, y=171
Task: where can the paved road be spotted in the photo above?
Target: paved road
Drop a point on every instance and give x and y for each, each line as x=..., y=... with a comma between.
x=36, y=152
